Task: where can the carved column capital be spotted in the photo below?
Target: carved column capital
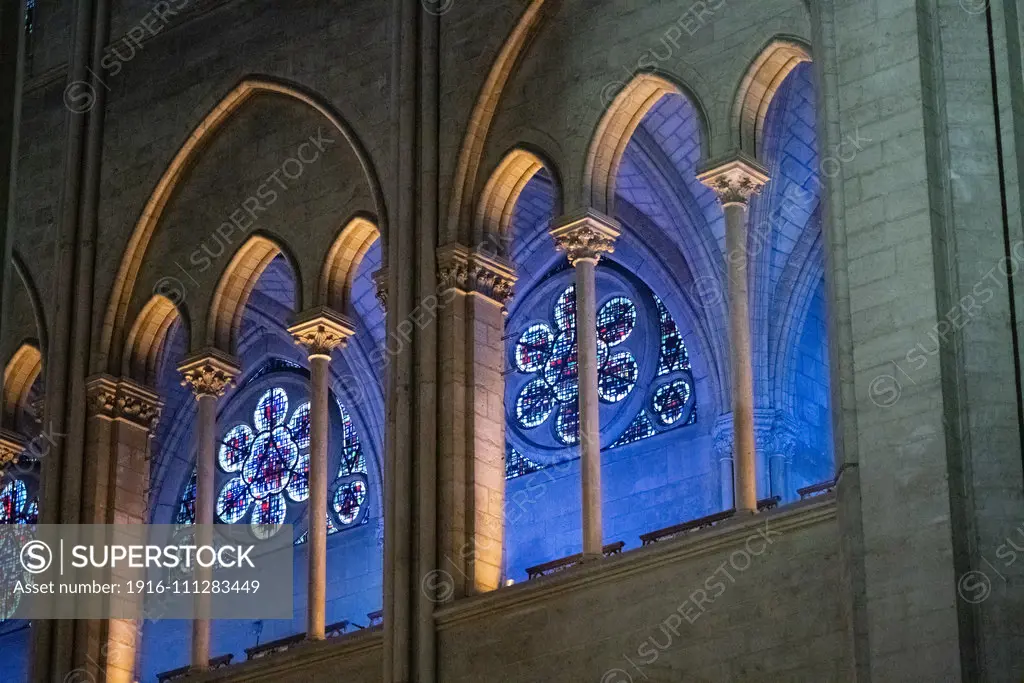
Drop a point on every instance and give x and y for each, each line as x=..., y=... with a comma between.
x=473, y=271
x=123, y=399
x=585, y=236
x=787, y=435
x=380, y=280
x=12, y=445
x=209, y=372
x=321, y=330
x=734, y=180
x=722, y=436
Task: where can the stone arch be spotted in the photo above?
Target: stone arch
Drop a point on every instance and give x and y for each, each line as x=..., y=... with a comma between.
x=33, y=299
x=342, y=263
x=20, y=374
x=145, y=344
x=758, y=87
x=501, y=193
x=616, y=128
x=235, y=286
x=459, y=206
x=112, y=332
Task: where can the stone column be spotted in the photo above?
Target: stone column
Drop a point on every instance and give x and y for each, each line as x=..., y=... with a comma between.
x=473, y=288
x=584, y=238
x=734, y=181
x=208, y=374
x=121, y=418
x=320, y=331
x=722, y=435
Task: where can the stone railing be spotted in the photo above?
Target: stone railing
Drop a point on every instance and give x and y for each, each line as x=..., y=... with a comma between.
x=702, y=522
x=182, y=672
x=561, y=564
x=820, y=489
x=282, y=644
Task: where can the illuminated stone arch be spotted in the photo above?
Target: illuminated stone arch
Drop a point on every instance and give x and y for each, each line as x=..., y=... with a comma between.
x=236, y=284
x=758, y=87
x=616, y=128
x=20, y=374
x=114, y=329
x=342, y=264
x=146, y=340
x=493, y=224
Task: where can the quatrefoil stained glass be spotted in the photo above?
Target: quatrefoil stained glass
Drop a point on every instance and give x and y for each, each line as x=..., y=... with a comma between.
x=550, y=353
x=268, y=461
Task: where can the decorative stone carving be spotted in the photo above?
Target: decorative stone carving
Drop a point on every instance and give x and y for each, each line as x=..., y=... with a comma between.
x=209, y=373
x=722, y=436
x=12, y=445
x=476, y=272
x=322, y=330
x=734, y=180
x=123, y=400
x=586, y=236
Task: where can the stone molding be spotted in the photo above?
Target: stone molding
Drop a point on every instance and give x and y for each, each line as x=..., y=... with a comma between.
x=726, y=535
x=473, y=271
x=321, y=330
x=123, y=399
x=735, y=179
x=209, y=372
x=721, y=434
x=585, y=236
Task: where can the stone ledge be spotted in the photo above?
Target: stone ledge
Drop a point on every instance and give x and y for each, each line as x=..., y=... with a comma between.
x=301, y=656
x=725, y=535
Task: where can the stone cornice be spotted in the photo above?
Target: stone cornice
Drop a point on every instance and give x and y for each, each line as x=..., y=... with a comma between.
x=123, y=399
x=585, y=236
x=209, y=372
x=734, y=180
x=724, y=536
x=474, y=271
x=321, y=330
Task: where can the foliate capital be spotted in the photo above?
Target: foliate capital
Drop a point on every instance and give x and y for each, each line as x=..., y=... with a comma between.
x=322, y=330
x=585, y=236
x=12, y=445
x=209, y=372
x=476, y=272
x=123, y=399
x=734, y=180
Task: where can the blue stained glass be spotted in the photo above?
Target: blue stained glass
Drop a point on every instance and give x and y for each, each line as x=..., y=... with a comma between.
x=298, y=425
x=269, y=466
x=617, y=377
x=271, y=410
x=298, y=487
x=616, y=320
x=268, y=515
x=187, y=507
x=640, y=428
x=234, y=448
x=533, y=348
x=567, y=424
x=517, y=464
x=232, y=502
x=565, y=310
x=13, y=500
x=673, y=355
x=670, y=401
x=348, y=501
x=534, y=403
x=561, y=371
x=352, y=459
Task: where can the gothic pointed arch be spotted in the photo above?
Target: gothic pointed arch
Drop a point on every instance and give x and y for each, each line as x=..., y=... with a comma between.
x=147, y=338
x=471, y=152
x=114, y=329
x=342, y=264
x=20, y=374
x=236, y=284
x=616, y=129
x=21, y=268
x=758, y=87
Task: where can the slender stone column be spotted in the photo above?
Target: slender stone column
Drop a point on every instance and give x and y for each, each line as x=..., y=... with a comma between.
x=208, y=374
x=584, y=238
x=734, y=181
x=723, y=450
x=320, y=331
